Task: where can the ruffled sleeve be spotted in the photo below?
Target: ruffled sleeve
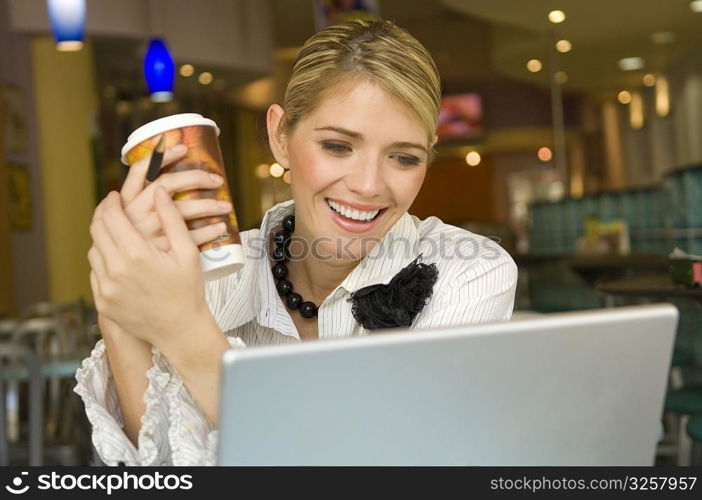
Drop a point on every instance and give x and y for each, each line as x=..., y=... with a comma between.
x=193, y=438
x=174, y=431
x=96, y=387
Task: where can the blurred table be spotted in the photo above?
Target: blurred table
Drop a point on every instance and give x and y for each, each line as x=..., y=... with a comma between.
x=654, y=286
x=25, y=366
x=597, y=268
x=59, y=367
x=567, y=282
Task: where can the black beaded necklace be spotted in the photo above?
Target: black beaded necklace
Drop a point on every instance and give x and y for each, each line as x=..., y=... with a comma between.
x=281, y=253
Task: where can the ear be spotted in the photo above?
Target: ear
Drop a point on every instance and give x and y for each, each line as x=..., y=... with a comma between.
x=432, y=153
x=276, y=136
x=433, y=141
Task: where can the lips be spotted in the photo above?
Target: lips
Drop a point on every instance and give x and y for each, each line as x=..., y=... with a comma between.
x=353, y=214
x=356, y=206
x=354, y=226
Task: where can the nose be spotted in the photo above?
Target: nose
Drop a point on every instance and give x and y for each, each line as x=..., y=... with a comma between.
x=366, y=178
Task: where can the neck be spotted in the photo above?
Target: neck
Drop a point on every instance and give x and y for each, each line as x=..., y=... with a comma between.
x=315, y=279
x=314, y=276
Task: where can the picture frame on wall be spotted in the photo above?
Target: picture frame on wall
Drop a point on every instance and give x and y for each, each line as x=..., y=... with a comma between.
x=20, y=197
x=329, y=12
x=15, y=118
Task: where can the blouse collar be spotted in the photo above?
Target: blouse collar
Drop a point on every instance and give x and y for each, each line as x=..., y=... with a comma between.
x=394, y=251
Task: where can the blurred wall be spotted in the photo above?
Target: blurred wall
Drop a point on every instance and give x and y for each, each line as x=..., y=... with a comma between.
x=6, y=277
x=27, y=277
x=65, y=96
x=456, y=193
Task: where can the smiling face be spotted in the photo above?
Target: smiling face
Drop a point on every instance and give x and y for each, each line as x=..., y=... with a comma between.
x=357, y=162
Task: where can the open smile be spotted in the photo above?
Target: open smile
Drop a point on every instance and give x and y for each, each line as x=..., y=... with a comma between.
x=354, y=219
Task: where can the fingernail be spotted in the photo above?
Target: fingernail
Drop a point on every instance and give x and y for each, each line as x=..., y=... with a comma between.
x=179, y=148
x=224, y=204
x=217, y=178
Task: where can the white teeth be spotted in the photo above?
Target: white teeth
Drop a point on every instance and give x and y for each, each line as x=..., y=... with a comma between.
x=351, y=213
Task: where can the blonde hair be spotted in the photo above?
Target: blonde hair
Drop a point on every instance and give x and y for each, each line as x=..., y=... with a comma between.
x=377, y=50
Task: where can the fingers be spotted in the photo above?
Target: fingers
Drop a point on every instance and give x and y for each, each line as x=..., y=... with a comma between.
x=126, y=238
x=95, y=287
x=102, y=241
x=185, y=180
x=208, y=233
x=173, y=182
x=199, y=236
x=136, y=177
x=174, y=226
x=203, y=207
x=97, y=265
x=150, y=227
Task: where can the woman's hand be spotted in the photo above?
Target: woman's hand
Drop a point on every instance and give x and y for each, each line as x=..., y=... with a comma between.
x=138, y=199
x=154, y=294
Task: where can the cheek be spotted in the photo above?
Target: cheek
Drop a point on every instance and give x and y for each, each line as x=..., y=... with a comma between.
x=309, y=170
x=406, y=187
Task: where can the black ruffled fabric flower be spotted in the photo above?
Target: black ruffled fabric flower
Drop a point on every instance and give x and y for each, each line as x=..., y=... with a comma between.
x=396, y=304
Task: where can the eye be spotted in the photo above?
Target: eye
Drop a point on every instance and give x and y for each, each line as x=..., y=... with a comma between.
x=406, y=160
x=336, y=147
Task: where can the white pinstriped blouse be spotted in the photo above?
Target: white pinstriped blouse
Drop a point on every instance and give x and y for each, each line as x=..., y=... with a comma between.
x=476, y=284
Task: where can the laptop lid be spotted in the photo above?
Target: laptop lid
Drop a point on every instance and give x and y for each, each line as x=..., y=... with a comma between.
x=582, y=388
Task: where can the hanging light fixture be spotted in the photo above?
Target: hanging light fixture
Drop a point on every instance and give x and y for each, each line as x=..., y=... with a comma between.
x=67, y=23
x=159, y=70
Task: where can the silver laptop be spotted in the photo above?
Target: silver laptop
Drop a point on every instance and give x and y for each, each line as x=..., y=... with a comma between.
x=581, y=388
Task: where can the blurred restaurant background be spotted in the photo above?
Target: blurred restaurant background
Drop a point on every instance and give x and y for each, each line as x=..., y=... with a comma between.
x=571, y=136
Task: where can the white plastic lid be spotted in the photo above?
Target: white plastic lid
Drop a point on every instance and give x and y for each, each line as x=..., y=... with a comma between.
x=164, y=125
x=219, y=262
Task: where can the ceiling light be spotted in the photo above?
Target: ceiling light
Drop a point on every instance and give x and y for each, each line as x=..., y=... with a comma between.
x=544, y=154
x=556, y=16
x=159, y=71
x=205, y=78
x=473, y=159
x=534, y=65
x=663, y=37
x=662, y=96
x=649, y=79
x=287, y=177
x=276, y=170
x=262, y=171
x=631, y=63
x=624, y=97
x=67, y=19
x=563, y=46
x=560, y=77
x=696, y=6
x=636, y=111
x=187, y=70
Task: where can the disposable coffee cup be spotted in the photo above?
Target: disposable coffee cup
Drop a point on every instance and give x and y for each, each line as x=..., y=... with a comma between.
x=224, y=255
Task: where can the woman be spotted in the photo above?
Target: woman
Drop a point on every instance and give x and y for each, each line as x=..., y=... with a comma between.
x=344, y=257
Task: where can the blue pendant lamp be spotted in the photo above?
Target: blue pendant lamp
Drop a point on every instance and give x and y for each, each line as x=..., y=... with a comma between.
x=68, y=23
x=159, y=70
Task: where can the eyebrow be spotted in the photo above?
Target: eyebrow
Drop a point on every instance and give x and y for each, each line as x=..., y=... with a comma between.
x=356, y=135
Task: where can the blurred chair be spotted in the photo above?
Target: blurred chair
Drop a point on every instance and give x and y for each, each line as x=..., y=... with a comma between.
x=59, y=335
x=684, y=398
x=694, y=430
x=684, y=402
x=6, y=327
x=14, y=354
